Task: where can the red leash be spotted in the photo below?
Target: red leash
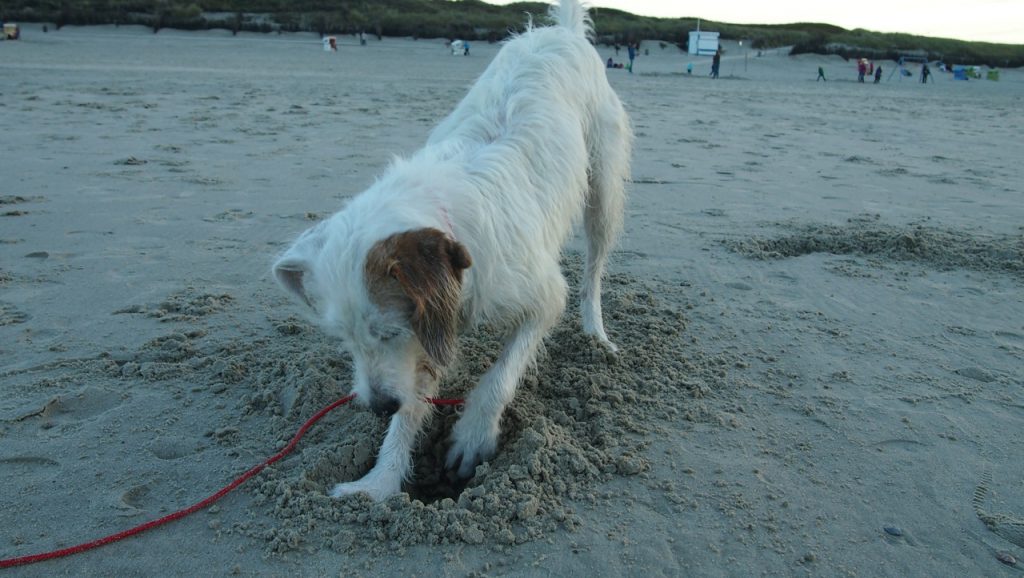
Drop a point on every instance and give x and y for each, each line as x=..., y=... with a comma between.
x=11, y=562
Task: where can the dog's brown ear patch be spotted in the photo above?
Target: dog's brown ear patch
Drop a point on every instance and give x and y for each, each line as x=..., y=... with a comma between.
x=427, y=266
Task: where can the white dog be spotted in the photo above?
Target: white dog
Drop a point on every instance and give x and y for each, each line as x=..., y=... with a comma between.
x=468, y=231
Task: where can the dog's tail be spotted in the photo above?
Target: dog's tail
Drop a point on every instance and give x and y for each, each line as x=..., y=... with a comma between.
x=572, y=14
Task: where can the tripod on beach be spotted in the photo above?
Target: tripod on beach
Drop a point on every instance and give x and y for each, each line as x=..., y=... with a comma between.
x=900, y=67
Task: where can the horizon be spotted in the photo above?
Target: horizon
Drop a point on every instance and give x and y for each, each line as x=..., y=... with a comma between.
x=996, y=21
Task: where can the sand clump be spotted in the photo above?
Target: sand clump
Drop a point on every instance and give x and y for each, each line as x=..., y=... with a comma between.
x=865, y=236
x=186, y=305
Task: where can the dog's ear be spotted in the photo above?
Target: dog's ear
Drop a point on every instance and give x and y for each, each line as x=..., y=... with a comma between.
x=428, y=266
x=289, y=274
x=293, y=268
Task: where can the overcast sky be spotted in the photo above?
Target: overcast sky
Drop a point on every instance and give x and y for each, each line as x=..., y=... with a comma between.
x=986, y=20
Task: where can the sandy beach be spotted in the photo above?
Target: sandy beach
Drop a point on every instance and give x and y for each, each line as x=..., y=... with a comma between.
x=819, y=302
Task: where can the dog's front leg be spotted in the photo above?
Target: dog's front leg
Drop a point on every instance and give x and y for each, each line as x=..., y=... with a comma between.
x=394, y=460
x=475, y=435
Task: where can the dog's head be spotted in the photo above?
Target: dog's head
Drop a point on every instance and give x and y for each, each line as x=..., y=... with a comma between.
x=395, y=305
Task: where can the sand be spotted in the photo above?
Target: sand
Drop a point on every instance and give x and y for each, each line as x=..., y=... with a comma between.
x=818, y=301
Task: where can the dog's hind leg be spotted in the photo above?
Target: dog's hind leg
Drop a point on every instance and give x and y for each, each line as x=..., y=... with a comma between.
x=611, y=143
x=394, y=462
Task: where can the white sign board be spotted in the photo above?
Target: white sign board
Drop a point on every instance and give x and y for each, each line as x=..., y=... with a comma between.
x=703, y=43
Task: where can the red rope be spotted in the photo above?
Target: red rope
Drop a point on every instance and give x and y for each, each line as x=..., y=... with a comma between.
x=23, y=560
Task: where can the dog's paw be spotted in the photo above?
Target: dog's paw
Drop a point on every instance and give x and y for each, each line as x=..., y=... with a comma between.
x=601, y=339
x=466, y=457
x=470, y=447
x=607, y=344
x=378, y=489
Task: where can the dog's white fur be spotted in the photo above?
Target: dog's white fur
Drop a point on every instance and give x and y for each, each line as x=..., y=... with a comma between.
x=484, y=210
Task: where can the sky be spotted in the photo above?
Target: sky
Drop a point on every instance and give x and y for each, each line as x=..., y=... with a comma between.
x=982, y=20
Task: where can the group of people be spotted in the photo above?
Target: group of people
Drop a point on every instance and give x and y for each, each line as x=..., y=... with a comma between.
x=632, y=50
x=610, y=63
x=864, y=67
x=867, y=68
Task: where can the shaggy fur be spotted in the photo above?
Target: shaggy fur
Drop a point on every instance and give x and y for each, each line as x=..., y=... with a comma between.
x=468, y=231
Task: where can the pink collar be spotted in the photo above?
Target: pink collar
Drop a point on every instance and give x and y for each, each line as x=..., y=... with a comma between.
x=447, y=220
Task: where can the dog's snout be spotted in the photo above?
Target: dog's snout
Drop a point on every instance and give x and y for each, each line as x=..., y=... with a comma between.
x=384, y=405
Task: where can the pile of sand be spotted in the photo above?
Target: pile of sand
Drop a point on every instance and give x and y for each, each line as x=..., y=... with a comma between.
x=580, y=418
x=864, y=236
x=185, y=305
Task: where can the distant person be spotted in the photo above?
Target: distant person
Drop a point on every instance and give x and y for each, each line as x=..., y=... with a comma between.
x=878, y=74
x=821, y=75
x=925, y=73
x=610, y=63
x=689, y=68
x=862, y=69
x=465, y=49
x=617, y=47
x=631, y=50
x=362, y=38
x=716, y=62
